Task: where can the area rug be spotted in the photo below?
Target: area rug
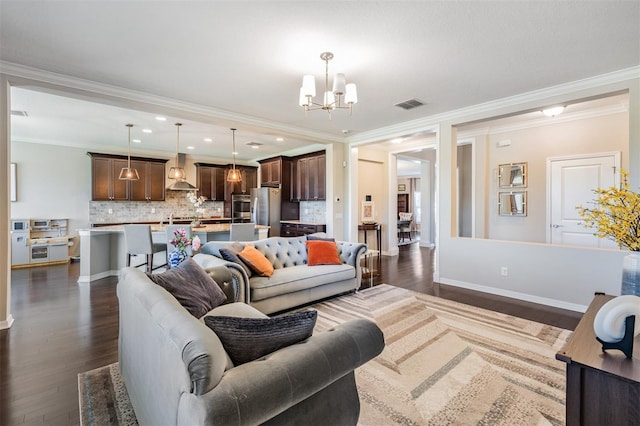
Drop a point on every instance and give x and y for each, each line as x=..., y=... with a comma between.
x=444, y=363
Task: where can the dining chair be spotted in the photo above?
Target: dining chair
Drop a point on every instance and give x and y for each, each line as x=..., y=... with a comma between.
x=139, y=241
x=242, y=232
x=405, y=225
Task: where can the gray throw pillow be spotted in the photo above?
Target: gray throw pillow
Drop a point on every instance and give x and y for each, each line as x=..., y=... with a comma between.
x=191, y=286
x=315, y=238
x=247, y=339
x=230, y=254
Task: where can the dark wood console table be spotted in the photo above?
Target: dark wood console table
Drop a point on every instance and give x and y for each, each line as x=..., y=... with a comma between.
x=377, y=227
x=603, y=388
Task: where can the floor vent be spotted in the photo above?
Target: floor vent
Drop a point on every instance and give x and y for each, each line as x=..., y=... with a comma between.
x=410, y=104
x=19, y=113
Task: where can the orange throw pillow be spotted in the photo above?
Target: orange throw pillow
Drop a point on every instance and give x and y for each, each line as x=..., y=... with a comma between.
x=256, y=261
x=322, y=253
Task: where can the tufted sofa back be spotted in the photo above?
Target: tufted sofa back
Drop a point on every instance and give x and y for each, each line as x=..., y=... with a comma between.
x=283, y=252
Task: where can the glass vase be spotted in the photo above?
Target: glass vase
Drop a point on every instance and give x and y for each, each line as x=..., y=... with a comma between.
x=631, y=274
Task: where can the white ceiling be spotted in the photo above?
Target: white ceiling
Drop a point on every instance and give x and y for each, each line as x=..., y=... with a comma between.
x=217, y=64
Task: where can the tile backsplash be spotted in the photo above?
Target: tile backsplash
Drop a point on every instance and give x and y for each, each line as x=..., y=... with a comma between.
x=313, y=211
x=176, y=202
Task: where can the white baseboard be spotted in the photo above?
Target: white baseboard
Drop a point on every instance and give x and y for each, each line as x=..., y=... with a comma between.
x=90, y=278
x=6, y=323
x=515, y=295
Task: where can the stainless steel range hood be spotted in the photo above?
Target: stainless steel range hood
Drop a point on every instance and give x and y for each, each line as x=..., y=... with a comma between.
x=181, y=185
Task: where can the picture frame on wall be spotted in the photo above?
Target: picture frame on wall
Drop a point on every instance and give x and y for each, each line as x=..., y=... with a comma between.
x=402, y=187
x=368, y=212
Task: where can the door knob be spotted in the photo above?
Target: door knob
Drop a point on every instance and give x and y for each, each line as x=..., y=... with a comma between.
x=556, y=226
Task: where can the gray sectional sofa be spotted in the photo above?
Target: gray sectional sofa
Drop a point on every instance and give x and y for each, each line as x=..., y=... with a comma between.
x=177, y=372
x=293, y=282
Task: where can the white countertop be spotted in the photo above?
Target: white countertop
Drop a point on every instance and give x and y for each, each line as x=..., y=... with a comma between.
x=216, y=227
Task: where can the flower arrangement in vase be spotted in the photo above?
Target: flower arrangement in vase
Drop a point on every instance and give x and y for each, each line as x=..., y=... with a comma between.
x=616, y=216
x=181, y=242
x=197, y=203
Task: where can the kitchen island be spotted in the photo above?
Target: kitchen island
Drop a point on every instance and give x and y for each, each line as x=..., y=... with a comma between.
x=103, y=249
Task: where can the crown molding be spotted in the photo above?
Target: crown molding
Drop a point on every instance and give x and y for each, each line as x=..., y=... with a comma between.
x=71, y=84
x=510, y=103
x=545, y=121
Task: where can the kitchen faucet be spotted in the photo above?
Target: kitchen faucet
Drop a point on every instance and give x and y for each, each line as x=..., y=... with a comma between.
x=171, y=218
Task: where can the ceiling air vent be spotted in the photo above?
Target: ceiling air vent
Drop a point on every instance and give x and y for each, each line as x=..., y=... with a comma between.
x=19, y=113
x=410, y=104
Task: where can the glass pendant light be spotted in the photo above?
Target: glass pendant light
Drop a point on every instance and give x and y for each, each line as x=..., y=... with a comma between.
x=127, y=173
x=234, y=174
x=176, y=172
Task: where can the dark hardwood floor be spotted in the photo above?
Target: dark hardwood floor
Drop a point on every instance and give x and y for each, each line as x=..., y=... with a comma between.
x=63, y=328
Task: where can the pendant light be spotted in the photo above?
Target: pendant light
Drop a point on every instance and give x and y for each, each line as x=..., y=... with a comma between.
x=234, y=174
x=127, y=173
x=176, y=172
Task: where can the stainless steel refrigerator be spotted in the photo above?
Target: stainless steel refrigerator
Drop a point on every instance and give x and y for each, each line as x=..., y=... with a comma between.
x=265, y=208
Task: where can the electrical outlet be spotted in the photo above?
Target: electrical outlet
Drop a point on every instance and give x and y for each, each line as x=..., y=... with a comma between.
x=110, y=211
x=153, y=210
x=504, y=271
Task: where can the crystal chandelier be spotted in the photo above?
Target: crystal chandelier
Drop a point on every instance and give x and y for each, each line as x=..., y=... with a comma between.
x=127, y=173
x=234, y=174
x=332, y=99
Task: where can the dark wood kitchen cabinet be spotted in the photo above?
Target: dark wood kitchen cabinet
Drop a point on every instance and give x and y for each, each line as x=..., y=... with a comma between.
x=210, y=180
x=271, y=171
x=104, y=177
x=106, y=185
x=151, y=186
x=309, y=178
x=249, y=180
x=300, y=229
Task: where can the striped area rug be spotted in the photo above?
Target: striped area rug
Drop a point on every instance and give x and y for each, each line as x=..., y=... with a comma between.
x=445, y=363
x=450, y=363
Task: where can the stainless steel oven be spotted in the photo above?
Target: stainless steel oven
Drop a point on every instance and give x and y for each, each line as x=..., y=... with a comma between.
x=241, y=207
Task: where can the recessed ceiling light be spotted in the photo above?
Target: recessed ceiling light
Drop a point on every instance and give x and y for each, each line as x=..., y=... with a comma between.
x=254, y=145
x=279, y=139
x=208, y=140
x=147, y=131
x=136, y=140
x=159, y=118
x=552, y=112
x=191, y=147
x=234, y=153
x=397, y=140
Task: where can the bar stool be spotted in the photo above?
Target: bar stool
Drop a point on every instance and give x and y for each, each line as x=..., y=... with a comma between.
x=139, y=241
x=242, y=232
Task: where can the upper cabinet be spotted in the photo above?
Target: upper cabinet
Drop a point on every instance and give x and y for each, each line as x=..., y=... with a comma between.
x=271, y=171
x=210, y=180
x=151, y=186
x=249, y=179
x=106, y=186
x=309, y=178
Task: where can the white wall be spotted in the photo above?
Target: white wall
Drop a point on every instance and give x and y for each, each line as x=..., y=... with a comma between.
x=599, y=134
x=53, y=182
x=372, y=173
x=556, y=275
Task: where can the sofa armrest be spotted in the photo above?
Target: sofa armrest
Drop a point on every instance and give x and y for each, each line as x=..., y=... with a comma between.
x=208, y=261
x=351, y=254
x=259, y=390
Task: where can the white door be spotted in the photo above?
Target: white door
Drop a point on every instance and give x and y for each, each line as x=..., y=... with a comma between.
x=571, y=183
